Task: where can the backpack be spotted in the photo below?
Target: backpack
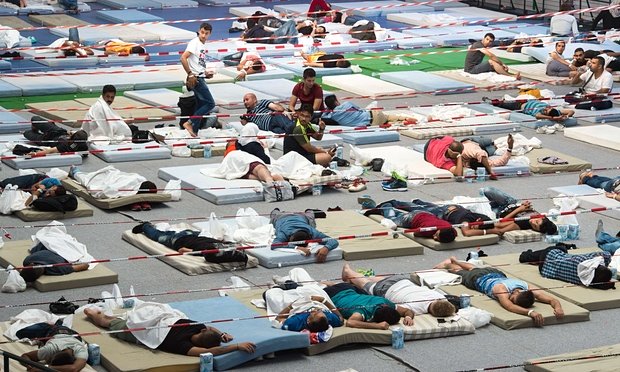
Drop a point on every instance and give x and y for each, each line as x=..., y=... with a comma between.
x=61, y=203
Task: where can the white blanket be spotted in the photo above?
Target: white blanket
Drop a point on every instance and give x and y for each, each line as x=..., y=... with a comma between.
x=29, y=317
x=277, y=299
x=9, y=38
x=55, y=238
x=110, y=182
x=436, y=278
x=521, y=146
x=153, y=314
x=102, y=123
x=491, y=77
x=448, y=113
x=237, y=163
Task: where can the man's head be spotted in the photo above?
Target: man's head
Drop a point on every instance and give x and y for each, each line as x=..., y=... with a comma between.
x=207, y=338
x=309, y=77
x=441, y=309
x=597, y=64
x=566, y=6
x=543, y=225
x=305, y=112
x=79, y=136
x=250, y=100
x=560, y=46
x=579, y=55
x=602, y=278
x=300, y=235
x=331, y=102
x=522, y=298
x=320, y=30
x=445, y=235
x=384, y=313
x=456, y=146
x=108, y=93
x=38, y=120
x=30, y=274
x=204, y=31
x=550, y=111
x=317, y=321
x=56, y=191
x=257, y=65
x=488, y=40
x=343, y=63
x=62, y=358
x=147, y=187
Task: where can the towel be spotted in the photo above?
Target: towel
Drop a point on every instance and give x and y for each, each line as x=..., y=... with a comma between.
x=55, y=238
x=103, y=123
x=437, y=278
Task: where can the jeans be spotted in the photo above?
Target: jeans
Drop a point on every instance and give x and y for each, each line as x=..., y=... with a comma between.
x=415, y=205
x=601, y=182
x=204, y=102
x=498, y=199
x=508, y=105
x=69, y=5
x=280, y=124
x=43, y=132
x=486, y=143
x=400, y=218
x=23, y=182
x=167, y=238
x=285, y=32
x=607, y=242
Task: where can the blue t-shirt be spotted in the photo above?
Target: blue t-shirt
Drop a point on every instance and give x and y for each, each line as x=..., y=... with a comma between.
x=299, y=322
x=534, y=107
x=486, y=283
x=50, y=182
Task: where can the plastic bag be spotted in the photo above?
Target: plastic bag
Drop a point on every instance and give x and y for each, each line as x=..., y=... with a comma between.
x=181, y=151
x=216, y=229
x=247, y=218
x=237, y=285
x=12, y=200
x=14, y=283
x=565, y=204
x=477, y=317
x=173, y=188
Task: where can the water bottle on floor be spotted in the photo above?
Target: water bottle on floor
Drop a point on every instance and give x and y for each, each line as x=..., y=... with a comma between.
x=481, y=174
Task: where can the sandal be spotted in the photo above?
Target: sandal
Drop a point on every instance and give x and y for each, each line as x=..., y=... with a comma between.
x=146, y=206
x=136, y=207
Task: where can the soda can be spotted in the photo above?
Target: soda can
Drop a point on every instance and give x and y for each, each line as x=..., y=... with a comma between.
x=206, y=362
x=94, y=354
x=481, y=174
x=398, y=338
x=333, y=165
x=465, y=300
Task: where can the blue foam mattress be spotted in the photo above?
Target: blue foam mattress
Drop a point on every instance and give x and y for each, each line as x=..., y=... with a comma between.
x=425, y=82
x=124, y=4
x=371, y=136
x=295, y=64
x=127, y=16
x=12, y=123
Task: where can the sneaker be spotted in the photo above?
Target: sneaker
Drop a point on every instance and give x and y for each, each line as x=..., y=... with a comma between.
x=388, y=181
x=136, y=207
x=396, y=185
x=558, y=127
x=73, y=170
x=146, y=206
x=398, y=177
x=139, y=229
x=486, y=100
x=357, y=187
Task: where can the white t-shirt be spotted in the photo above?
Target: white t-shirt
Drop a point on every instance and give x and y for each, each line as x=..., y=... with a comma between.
x=197, y=59
x=416, y=298
x=60, y=343
x=563, y=24
x=606, y=80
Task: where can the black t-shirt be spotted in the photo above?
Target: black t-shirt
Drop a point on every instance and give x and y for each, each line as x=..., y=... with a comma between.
x=328, y=57
x=462, y=214
x=64, y=145
x=257, y=32
x=474, y=56
x=178, y=340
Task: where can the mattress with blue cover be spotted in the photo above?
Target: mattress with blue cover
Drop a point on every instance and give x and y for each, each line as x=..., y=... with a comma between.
x=422, y=81
x=12, y=123
x=124, y=4
x=41, y=85
x=295, y=64
x=224, y=2
x=271, y=73
x=127, y=16
x=380, y=8
x=458, y=35
x=9, y=90
x=231, y=95
x=364, y=137
x=129, y=152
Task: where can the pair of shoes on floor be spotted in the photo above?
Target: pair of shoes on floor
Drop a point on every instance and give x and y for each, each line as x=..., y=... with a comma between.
x=137, y=207
x=546, y=130
x=395, y=183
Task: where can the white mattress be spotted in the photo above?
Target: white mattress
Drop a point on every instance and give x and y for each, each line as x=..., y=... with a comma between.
x=327, y=141
x=245, y=11
x=219, y=49
x=300, y=9
x=157, y=97
x=412, y=160
x=600, y=135
x=538, y=71
x=588, y=197
x=129, y=152
x=271, y=72
x=367, y=86
x=20, y=162
x=165, y=32
x=503, y=54
x=478, y=13
x=230, y=95
x=296, y=65
x=600, y=116
x=41, y=85
x=191, y=177
x=385, y=9
x=415, y=18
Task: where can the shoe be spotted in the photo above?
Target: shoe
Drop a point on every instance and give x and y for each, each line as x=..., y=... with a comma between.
x=136, y=207
x=335, y=209
x=327, y=172
x=388, y=181
x=317, y=213
x=546, y=130
x=366, y=202
x=558, y=127
x=139, y=229
x=357, y=187
x=73, y=170
x=398, y=177
x=146, y=206
x=396, y=185
x=341, y=162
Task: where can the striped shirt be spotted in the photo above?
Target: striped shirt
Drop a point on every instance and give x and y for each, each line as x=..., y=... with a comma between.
x=563, y=266
x=534, y=107
x=262, y=120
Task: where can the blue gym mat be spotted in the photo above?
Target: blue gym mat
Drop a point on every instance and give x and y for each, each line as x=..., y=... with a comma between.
x=127, y=16
x=126, y=4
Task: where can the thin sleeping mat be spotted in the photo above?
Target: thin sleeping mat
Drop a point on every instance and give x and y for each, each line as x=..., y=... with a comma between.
x=271, y=72
x=13, y=22
x=426, y=19
x=434, y=129
x=277, y=257
x=461, y=241
x=327, y=141
x=380, y=8
x=600, y=135
x=127, y=16
x=344, y=223
x=600, y=359
x=588, y=298
x=405, y=41
x=502, y=54
x=298, y=9
x=295, y=64
x=14, y=252
x=438, y=6
x=364, y=85
x=224, y=2
x=73, y=116
x=246, y=11
x=161, y=97
x=528, y=29
x=141, y=115
x=51, y=58
x=164, y=32
x=474, y=13
x=188, y=264
x=94, y=82
x=57, y=20
x=244, y=329
x=28, y=214
x=166, y=4
x=538, y=71
x=124, y=4
x=12, y=123
x=458, y=35
x=129, y=151
x=508, y=320
x=599, y=116
x=111, y=203
x=281, y=89
x=520, y=118
x=363, y=136
x=425, y=327
x=216, y=190
x=4, y=11
x=479, y=84
x=48, y=161
x=588, y=197
x=229, y=95
x=88, y=35
x=9, y=90
x=37, y=85
x=574, y=164
x=421, y=81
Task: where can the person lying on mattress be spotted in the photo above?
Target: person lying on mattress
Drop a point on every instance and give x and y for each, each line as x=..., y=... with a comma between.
x=287, y=33
x=539, y=109
x=349, y=114
x=69, y=48
x=507, y=206
x=610, y=185
x=298, y=139
x=268, y=115
x=589, y=269
x=61, y=350
x=109, y=183
x=301, y=304
x=414, y=218
x=605, y=241
x=102, y=122
x=557, y=65
x=515, y=45
x=324, y=60
x=248, y=141
x=39, y=186
x=474, y=155
x=187, y=241
x=241, y=164
x=172, y=332
x=19, y=3
x=514, y=295
x=452, y=213
x=247, y=63
x=120, y=47
x=401, y=290
x=40, y=255
x=362, y=310
x=445, y=153
x=300, y=227
x=55, y=138
x=474, y=63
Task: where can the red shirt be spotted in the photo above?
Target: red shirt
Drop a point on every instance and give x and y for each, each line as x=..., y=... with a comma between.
x=428, y=220
x=436, y=152
x=315, y=93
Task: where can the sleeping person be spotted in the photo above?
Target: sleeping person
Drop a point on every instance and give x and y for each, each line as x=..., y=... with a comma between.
x=56, y=139
x=39, y=186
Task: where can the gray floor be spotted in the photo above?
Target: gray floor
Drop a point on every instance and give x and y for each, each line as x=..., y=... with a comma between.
x=489, y=346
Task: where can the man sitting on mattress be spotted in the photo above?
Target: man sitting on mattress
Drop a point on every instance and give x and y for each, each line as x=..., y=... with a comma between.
x=597, y=80
x=61, y=350
x=187, y=241
x=589, y=269
x=476, y=53
x=362, y=310
x=400, y=290
x=514, y=295
x=300, y=227
x=526, y=218
x=414, y=218
x=445, y=153
x=170, y=331
x=268, y=115
x=301, y=304
x=102, y=122
x=349, y=114
x=533, y=107
x=298, y=139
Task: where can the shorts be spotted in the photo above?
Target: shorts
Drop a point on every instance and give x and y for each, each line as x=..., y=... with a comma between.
x=481, y=68
x=381, y=287
x=119, y=324
x=469, y=277
x=378, y=117
x=253, y=166
x=310, y=156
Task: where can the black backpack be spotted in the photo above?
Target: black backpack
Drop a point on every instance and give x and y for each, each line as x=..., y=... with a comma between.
x=61, y=203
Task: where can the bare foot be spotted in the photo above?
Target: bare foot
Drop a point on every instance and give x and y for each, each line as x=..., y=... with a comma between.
x=188, y=126
x=443, y=264
x=518, y=76
x=185, y=250
x=346, y=273
x=305, y=251
x=90, y=312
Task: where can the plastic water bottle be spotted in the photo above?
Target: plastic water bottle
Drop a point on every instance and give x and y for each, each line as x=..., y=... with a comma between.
x=333, y=165
x=469, y=175
x=481, y=174
x=465, y=300
x=398, y=338
x=339, y=152
x=94, y=354
x=473, y=255
x=317, y=190
x=206, y=362
x=207, y=151
x=614, y=273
